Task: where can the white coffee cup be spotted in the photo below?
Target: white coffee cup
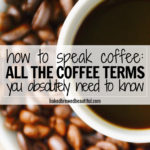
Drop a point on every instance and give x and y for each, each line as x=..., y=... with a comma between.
x=70, y=27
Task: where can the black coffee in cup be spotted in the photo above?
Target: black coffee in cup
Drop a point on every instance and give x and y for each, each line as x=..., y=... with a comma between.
x=119, y=22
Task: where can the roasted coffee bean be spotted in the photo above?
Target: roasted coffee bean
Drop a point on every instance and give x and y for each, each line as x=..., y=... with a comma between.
x=59, y=125
x=93, y=148
x=57, y=13
x=16, y=33
x=36, y=131
x=56, y=142
x=46, y=34
x=52, y=121
x=80, y=124
x=19, y=43
x=13, y=110
x=39, y=146
x=30, y=6
x=31, y=39
x=34, y=108
x=42, y=16
x=120, y=144
x=31, y=118
x=74, y=137
x=92, y=139
x=62, y=111
x=2, y=42
x=5, y=22
x=15, y=13
x=23, y=142
x=105, y=145
x=66, y=5
x=28, y=117
x=13, y=124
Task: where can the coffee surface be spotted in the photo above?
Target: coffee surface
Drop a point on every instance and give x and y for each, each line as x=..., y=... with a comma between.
x=122, y=22
x=126, y=116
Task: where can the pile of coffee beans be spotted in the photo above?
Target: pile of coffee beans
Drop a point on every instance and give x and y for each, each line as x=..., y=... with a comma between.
x=47, y=127
x=33, y=22
x=50, y=127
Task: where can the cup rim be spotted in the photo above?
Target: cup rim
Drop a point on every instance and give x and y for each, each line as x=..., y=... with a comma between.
x=71, y=25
